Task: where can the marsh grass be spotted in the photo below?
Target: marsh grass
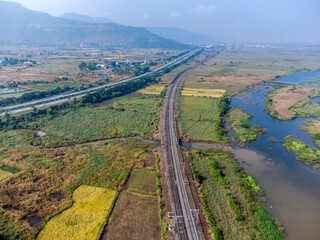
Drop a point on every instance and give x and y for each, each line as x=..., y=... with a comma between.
x=233, y=210
x=306, y=154
x=244, y=131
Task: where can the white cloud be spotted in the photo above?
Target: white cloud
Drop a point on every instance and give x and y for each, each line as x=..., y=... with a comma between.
x=202, y=8
x=146, y=16
x=175, y=14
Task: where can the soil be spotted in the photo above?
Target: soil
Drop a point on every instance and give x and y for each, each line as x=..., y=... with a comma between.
x=282, y=102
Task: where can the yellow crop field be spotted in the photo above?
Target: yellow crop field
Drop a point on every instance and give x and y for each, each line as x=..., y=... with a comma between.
x=202, y=92
x=85, y=219
x=5, y=174
x=152, y=90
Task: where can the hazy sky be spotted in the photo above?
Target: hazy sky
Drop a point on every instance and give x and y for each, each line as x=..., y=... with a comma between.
x=223, y=20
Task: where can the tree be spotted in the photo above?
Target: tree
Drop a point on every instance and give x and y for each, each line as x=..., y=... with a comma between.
x=82, y=66
x=145, y=69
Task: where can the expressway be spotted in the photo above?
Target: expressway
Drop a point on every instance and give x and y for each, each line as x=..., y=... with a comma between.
x=185, y=224
x=61, y=98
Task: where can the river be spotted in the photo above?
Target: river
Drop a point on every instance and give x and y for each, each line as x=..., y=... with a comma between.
x=292, y=188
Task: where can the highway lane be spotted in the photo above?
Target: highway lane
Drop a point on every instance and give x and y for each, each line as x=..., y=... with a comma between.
x=57, y=99
x=185, y=225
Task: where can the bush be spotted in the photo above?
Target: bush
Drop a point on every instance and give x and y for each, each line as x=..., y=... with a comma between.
x=245, y=123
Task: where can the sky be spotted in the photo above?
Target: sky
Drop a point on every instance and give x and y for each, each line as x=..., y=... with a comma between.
x=272, y=21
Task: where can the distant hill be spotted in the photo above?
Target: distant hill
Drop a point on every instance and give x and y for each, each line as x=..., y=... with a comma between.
x=180, y=35
x=85, y=18
x=20, y=26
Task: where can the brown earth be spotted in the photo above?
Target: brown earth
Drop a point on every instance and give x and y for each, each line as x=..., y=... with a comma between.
x=134, y=217
x=282, y=102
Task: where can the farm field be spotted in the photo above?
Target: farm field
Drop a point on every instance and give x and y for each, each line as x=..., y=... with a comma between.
x=152, y=90
x=200, y=118
x=125, y=116
x=86, y=217
x=137, y=214
x=143, y=181
x=137, y=208
x=231, y=197
x=198, y=92
x=49, y=177
x=237, y=68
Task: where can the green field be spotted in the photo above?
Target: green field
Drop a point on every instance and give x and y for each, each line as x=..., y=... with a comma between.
x=197, y=117
x=231, y=197
x=143, y=181
x=49, y=86
x=18, y=138
x=126, y=117
x=244, y=131
x=85, y=219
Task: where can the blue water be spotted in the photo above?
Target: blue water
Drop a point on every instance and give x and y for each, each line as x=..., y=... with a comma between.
x=292, y=188
x=301, y=78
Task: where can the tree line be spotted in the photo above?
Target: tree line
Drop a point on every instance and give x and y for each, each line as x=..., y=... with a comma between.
x=33, y=95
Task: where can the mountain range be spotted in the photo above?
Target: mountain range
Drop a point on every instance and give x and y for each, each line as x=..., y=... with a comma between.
x=21, y=26
x=176, y=34
x=180, y=35
x=85, y=18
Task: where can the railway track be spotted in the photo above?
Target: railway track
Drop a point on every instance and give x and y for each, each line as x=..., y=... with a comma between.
x=185, y=224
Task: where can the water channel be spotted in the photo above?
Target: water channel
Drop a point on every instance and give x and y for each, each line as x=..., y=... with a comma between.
x=292, y=188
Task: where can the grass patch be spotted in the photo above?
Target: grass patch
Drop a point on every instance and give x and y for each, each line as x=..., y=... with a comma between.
x=233, y=210
x=10, y=169
x=127, y=117
x=18, y=138
x=200, y=119
x=142, y=180
x=152, y=90
x=50, y=86
x=306, y=108
x=5, y=174
x=312, y=127
x=198, y=92
x=244, y=131
x=306, y=154
x=85, y=219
